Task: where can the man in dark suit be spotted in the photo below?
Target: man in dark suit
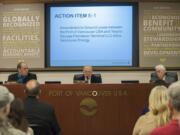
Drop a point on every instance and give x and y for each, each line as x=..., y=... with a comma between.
x=23, y=74
x=87, y=76
x=37, y=112
x=162, y=77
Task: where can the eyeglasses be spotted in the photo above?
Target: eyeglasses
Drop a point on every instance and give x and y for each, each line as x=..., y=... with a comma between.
x=87, y=71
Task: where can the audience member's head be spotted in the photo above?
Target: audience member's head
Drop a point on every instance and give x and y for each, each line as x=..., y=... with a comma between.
x=160, y=71
x=5, y=102
x=174, y=100
x=17, y=115
x=5, y=99
x=87, y=71
x=158, y=104
x=22, y=69
x=32, y=88
x=158, y=114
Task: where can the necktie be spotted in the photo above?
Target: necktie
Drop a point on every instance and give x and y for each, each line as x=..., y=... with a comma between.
x=88, y=80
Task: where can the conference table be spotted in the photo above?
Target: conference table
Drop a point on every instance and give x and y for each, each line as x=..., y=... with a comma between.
x=93, y=109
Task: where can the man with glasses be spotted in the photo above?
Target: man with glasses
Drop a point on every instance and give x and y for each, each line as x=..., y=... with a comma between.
x=87, y=76
x=162, y=77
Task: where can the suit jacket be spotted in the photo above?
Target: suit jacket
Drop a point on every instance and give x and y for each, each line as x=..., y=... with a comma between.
x=170, y=77
x=95, y=78
x=15, y=77
x=42, y=114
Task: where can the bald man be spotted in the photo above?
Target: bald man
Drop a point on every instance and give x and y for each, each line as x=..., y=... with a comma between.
x=37, y=112
x=23, y=75
x=88, y=76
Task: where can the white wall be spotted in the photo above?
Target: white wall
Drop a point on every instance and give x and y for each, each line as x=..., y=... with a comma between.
x=107, y=76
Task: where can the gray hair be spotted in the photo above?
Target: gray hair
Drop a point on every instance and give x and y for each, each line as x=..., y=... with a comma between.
x=5, y=96
x=161, y=67
x=174, y=95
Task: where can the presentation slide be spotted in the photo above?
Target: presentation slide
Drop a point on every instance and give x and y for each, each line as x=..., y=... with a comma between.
x=91, y=35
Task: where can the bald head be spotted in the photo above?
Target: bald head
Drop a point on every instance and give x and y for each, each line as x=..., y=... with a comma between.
x=22, y=69
x=32, y=88
x=87, y=70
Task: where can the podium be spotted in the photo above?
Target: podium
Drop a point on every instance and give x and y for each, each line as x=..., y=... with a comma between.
x=93, y=109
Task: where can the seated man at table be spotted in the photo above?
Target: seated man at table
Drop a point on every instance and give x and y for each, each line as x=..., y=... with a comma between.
x=87, y=76
x=38, y=113
x=162, y=77
x=23, y=75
